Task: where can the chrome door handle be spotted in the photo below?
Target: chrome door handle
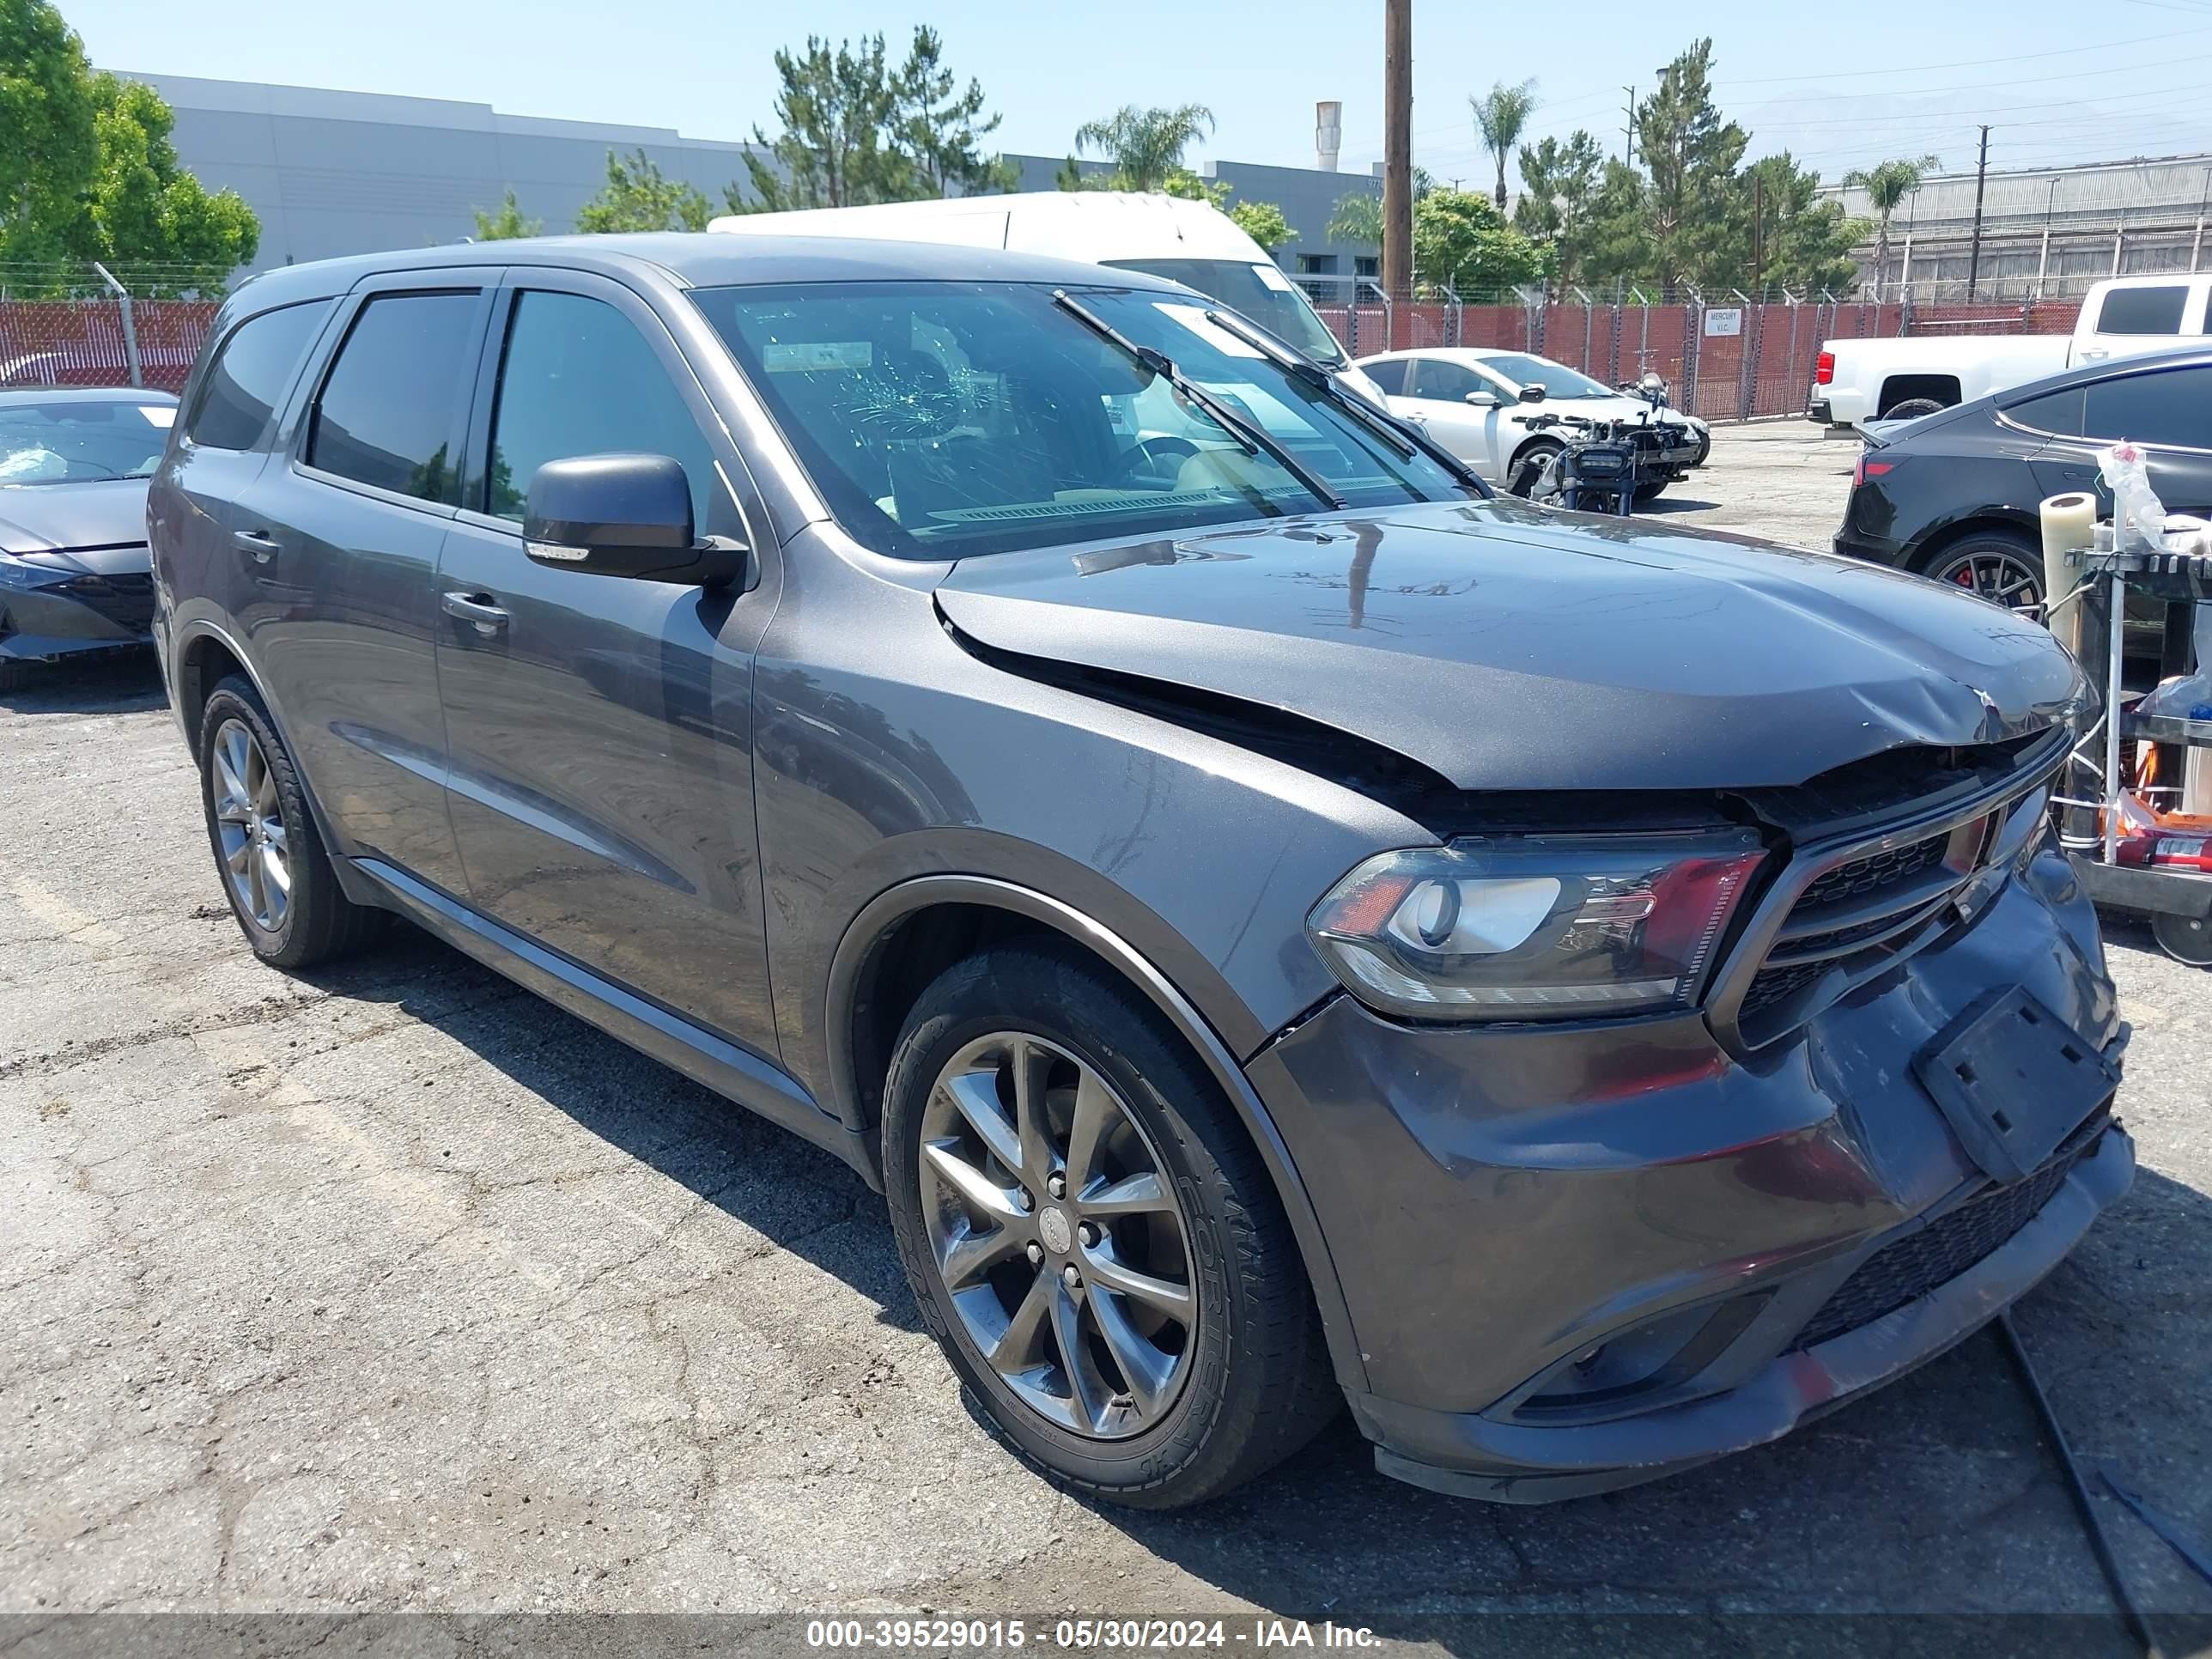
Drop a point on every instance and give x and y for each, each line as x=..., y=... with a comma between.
x=259, y=543
x=477, y=610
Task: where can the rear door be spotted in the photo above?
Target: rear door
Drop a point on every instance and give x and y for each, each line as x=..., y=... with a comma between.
x=2130, y=321
x=342, y=538
x=601, y=728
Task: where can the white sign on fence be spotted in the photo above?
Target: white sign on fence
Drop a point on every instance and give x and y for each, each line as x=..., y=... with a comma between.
x=1724, y=319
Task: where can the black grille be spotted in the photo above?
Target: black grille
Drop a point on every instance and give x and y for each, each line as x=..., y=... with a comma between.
x=1873, y=872
x=1772, y=986
x=1915, y=1264
x=125, y=600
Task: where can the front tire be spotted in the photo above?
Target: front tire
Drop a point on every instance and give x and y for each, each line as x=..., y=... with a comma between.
x=1527, y=468
x=2185, y=938
x=1093, y=1238
x=267, y=853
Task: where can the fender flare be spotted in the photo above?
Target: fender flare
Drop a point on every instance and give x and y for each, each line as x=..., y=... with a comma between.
x=874, y=923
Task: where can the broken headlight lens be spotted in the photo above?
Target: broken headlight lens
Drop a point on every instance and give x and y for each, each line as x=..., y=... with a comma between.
x=1535, y=926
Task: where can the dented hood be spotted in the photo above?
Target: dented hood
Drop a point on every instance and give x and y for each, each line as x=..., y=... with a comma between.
x=1506, y=647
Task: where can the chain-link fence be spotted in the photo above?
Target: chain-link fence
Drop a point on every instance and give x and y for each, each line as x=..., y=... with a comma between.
x=1733, y=360
x=116, y=340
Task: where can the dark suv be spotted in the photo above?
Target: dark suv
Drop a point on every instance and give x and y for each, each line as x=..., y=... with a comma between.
x=1279, y=925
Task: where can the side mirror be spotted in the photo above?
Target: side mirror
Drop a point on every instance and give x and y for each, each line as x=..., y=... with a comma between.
x=1532, y=392
x=622, y=515
x=1482, y=399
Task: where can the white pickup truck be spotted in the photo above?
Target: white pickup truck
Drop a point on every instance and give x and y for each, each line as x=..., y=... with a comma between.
x=1856, y=381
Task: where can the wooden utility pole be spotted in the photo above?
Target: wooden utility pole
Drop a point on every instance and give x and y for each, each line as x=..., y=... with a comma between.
x=1974, y=249
x=1398, y=150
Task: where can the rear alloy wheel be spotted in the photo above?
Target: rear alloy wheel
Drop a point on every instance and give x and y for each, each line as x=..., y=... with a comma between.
x=274, y=873
x=1092, y=1237
x=1997, y=567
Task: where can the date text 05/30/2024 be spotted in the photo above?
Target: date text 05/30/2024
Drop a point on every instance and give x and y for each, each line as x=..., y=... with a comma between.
x=1087, y=1635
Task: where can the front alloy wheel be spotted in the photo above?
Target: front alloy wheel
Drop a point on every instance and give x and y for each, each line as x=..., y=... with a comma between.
x=1057, y=1236
x=250, y=827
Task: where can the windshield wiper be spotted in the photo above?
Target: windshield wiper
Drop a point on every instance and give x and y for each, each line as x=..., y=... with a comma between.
x=1402, y=438
x=1250, y=436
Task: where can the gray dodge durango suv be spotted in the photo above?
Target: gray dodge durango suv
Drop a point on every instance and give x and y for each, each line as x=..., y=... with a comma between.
x=1279, y=925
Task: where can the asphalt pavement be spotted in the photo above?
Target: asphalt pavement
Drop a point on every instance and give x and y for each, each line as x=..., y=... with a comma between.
x=392, y=1287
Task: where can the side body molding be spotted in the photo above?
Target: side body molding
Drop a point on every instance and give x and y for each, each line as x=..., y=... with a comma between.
x=875, y=922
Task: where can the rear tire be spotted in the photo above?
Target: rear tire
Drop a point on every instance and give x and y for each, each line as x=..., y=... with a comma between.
x=1912, y=409
x=1241, y=1384
x=1997, y=564
x=268, y=854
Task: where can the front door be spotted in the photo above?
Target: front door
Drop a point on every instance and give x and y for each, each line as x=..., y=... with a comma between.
x=342, y=533
x=1437, y=396
x=600, y=728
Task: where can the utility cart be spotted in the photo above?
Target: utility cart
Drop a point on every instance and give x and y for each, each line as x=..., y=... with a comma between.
x=2175, y=892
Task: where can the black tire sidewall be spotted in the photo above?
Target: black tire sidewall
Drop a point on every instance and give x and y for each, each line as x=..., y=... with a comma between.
x=1071, y=1008
x=1528, y=464
x=1981, y=542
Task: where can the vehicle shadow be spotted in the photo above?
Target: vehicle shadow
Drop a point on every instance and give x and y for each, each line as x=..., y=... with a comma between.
x=1936, y=1495
x=1661, y=507
x=795, y=1195
x=127, y=683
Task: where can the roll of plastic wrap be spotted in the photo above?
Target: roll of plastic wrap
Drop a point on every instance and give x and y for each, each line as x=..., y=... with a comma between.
x=2069, y=524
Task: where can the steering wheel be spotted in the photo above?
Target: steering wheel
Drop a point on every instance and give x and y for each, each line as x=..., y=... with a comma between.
x=1146, y=454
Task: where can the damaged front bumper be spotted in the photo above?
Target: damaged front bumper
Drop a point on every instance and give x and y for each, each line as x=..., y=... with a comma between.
x=45, y=615
x=1607, y=1253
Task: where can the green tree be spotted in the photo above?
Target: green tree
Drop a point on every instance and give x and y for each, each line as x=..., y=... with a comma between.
x=1690, y=155
x=637, y=197
x=1461, y=239
x=1357, y=218
x=1616, y=237
x=1888, y=185
x=506, y=224
x=48, y=145
x=1215, y=193
x=1145, y=145
x=1783, y=232
x=1500, y=115
x=940, y=130
x=836, y=108
x=141, y=209
x=1263, y=222
x=1560, y=186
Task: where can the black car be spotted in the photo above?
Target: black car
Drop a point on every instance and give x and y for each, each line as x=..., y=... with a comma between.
x=1953, y=496
x=74, y=572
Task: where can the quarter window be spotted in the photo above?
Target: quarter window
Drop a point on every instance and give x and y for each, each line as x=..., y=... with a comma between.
x=249, y=373
x=390, y=410
x=580, y=379
x=1389, y=375
x=2058, y=413
x=2171, y=407
x=2143, y=310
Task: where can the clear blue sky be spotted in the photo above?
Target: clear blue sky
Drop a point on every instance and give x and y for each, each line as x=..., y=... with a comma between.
x=1838, y=85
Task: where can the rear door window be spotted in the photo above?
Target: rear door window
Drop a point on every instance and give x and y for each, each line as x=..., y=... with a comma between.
x=2171, y=408
x=249, y=373
x=2058, y=413
x=1390, y=376
x=2144, y=310
x=391, y=411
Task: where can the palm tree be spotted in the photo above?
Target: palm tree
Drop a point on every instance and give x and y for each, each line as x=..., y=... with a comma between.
x=1145, y=145
x=1500, y=117
x=1886, y=186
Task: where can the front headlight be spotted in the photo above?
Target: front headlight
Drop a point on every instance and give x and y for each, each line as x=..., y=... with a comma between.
x=1535, y=926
